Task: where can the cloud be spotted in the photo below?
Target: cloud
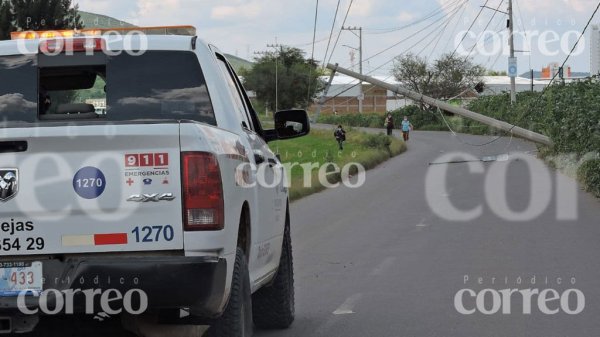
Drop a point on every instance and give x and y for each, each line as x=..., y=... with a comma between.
x=248, y=11
x=405, y=16
x=363, y=7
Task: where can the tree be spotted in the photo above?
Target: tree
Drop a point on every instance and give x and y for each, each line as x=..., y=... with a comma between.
x=297, y=79
x=22, y=15
x=6, y=20
x=496, y=73
x=447, y=77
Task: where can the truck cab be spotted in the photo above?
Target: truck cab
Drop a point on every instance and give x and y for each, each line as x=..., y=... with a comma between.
x=169, y=198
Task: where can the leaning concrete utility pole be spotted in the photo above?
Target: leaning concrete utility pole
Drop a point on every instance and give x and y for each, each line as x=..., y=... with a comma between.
x=415, y=96
x=323, y=97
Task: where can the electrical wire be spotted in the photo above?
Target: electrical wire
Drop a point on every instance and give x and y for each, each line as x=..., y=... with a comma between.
x=331, y=33
x=441, y=33
x=340, y=33
x=409, y=37
x=536, y=102
x=470, y=27
x=456, y=10
x=312, y=54
x=485, y=29
x=414, y=23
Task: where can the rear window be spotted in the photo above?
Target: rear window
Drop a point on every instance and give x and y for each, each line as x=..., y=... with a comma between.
x=18, y=88
x=154, y=85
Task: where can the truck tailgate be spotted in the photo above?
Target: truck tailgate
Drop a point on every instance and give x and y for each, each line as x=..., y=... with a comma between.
x=96, y=188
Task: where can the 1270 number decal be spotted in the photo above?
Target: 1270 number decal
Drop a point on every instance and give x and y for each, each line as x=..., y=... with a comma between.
x=154, y=233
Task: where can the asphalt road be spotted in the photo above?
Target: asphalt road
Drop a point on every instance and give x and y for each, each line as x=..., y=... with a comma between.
x=386, y=260
x=382, y=260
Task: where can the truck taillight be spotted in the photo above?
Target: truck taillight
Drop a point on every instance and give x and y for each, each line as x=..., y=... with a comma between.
x=53, y=46
x=202, y=192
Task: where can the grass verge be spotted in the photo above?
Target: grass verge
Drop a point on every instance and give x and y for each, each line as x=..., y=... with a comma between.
x=320, y=148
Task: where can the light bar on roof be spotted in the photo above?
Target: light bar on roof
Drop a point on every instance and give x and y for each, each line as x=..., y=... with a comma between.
x=50, y=34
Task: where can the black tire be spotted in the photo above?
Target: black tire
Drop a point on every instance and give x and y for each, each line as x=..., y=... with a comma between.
x=273, y=306
x=236, y=321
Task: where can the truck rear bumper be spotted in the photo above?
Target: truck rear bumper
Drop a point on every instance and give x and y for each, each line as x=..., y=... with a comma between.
x=197, y=283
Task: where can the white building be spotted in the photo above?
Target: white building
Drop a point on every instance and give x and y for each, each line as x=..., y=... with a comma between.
x=595, y=50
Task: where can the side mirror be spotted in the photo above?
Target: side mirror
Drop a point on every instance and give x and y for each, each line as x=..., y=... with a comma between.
x=289, y=124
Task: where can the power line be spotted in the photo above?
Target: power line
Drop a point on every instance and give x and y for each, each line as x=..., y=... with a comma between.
x=485, y=29
x=340, y=33
x=455, y=27
x=331, y=33
x=524, y=31
x=536, y=102
x=562, y=66
x=409, y=37
x=312, y=54
x=441, y=33
x=468, y=30
x=425, y=18
x=404, y=52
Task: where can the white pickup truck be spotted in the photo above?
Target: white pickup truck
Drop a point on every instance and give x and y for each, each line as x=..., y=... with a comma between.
x=172, y=193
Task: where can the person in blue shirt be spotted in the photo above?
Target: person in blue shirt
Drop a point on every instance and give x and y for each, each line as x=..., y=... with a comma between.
x=406, y=129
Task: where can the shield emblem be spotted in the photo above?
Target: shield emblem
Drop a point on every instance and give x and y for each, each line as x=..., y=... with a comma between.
x=9, y=183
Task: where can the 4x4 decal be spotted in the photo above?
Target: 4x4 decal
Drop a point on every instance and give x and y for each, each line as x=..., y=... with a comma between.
x=155, y=197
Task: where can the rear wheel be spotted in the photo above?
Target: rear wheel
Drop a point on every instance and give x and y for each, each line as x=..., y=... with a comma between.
x=273, y=306
x=236, y=321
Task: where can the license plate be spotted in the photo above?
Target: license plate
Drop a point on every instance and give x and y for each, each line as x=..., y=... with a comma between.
x=19, y=277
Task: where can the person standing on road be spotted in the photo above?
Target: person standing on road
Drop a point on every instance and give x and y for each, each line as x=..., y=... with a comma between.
x=406, y=129
x=340, y=136
x=389, y=124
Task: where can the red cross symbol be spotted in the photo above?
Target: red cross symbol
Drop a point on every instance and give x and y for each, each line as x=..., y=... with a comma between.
x=130, y=182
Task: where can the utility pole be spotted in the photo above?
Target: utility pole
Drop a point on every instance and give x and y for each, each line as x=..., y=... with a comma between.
x=418, y=97
x=277, y=48
x=532, y=87
x=361, y=95
x=512, y=61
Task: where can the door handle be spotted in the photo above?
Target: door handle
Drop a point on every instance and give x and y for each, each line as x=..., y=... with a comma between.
x=14, y=146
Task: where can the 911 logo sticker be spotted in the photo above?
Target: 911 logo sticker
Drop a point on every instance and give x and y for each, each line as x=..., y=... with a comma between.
x=147, y=160
x=146, y=165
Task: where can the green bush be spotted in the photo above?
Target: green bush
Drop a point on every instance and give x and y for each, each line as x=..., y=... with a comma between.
x=377, y=141
x=568, y=113
x=589, y=175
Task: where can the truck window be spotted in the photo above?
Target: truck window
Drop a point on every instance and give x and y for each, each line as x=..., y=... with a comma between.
x=154, y=85
x=158, y=85
x=18, y=88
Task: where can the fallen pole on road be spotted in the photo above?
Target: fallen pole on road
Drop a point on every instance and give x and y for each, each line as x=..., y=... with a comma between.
x=518, y=131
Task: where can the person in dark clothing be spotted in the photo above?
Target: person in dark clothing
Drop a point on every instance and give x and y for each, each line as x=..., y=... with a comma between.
x=340, y=136
x=389, y=124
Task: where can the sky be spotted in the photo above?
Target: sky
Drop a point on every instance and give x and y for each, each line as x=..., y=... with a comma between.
x=428, y=28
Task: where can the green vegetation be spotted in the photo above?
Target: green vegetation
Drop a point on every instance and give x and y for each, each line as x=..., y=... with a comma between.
x=297, y=79
x=17, y=15
x=589, y=175
x=320, y=147
x=568, y=113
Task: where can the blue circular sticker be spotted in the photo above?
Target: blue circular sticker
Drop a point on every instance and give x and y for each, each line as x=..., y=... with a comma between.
x=89, y=182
